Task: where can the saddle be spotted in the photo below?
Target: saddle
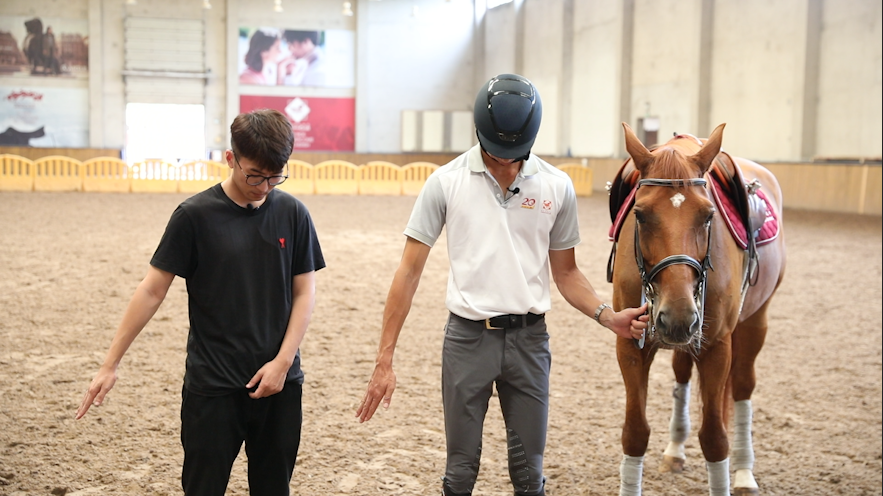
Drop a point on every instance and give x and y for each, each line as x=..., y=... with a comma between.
x=745, y=208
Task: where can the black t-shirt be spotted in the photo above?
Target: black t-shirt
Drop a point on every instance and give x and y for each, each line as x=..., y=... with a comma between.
x=239, y=265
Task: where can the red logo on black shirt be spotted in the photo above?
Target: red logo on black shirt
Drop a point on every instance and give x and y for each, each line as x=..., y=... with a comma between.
x=281, y=242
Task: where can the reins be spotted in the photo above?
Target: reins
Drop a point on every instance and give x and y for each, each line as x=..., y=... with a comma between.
x=648, y=293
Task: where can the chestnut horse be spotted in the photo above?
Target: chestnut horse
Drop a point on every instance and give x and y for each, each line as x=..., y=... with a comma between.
x=708, y=295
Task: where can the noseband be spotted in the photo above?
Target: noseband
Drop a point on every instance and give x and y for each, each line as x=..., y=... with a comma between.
x=648, y=293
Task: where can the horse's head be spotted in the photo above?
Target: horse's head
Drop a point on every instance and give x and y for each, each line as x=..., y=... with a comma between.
x=673, y=216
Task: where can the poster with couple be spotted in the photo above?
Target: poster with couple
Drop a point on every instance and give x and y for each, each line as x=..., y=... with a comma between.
x=290, y=57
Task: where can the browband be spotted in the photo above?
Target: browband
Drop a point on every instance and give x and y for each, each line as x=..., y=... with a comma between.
x=696, y=181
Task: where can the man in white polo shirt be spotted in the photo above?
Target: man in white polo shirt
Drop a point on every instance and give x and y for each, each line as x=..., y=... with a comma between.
x=511, y=218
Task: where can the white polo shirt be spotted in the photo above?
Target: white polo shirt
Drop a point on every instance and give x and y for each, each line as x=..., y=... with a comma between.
x=498, y=242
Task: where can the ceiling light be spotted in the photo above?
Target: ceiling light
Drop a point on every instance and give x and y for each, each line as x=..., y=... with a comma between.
x=131, y=2
x=277, y=5
x=347, y=9
x=206, y=4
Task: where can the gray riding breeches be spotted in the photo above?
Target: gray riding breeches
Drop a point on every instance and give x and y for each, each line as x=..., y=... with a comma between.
x=517, y=361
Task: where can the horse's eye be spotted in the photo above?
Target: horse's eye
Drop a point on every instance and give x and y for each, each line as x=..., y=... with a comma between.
x=709, y=218
x=639, y=217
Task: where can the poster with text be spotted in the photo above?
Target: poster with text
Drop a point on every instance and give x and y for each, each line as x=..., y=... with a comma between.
x=289, y=57
x=44, y=117
x=45, y=47
x=319, y=124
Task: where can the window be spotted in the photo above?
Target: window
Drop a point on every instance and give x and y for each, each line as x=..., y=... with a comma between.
x=170, y=132
x=496, y=3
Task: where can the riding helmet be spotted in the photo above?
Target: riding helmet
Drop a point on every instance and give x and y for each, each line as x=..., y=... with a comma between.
x=507, y=113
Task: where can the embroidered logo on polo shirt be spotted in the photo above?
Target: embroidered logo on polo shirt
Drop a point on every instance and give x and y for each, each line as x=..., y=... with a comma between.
x=281, y=242
x=547, y=207
x=528, y=203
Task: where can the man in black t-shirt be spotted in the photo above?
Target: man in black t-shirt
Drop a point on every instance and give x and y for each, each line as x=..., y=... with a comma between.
x=249, y=255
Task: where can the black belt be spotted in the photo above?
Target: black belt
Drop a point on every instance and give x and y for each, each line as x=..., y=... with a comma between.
x=510, y=321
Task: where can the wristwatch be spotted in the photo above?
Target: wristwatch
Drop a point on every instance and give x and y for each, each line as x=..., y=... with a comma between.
x=600, y=309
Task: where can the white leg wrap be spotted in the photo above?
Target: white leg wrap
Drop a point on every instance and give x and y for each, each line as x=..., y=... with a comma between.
x=679, y=427
x=718, y=477
x=743, y=450
x=630, y=472
x=744, y=479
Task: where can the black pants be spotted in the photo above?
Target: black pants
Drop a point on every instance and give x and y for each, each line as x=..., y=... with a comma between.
x=213, y=429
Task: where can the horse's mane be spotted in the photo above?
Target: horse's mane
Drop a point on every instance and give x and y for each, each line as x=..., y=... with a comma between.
x=671, y=163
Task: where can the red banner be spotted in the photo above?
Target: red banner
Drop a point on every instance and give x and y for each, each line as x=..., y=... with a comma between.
x=319, y=124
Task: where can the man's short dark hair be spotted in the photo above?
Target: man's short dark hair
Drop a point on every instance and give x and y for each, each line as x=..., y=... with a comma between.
x=263, y=136
x=301, y=36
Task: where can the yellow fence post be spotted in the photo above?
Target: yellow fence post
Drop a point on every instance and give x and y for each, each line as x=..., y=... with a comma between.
x=336, y=177
x=300, y=178
x=200, y=175
x=16, y=173
x=154, y=176
x=380, y=178
x=57, y=173
x=581, y=176
x=107, y=174
x=414, y=176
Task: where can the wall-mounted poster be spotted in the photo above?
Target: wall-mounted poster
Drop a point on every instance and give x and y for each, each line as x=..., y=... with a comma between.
x=44, y=47
x=319, y=124
x=44, y=117
x=289, y=57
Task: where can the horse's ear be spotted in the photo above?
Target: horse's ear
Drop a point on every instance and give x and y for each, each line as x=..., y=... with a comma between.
x=641, y=156
x=705, y=156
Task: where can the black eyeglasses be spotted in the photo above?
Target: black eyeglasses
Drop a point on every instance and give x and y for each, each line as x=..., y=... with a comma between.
x=510, y=137
x=257, y=179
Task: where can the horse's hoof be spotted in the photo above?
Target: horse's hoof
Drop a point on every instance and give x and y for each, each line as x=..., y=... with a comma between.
x=745, y=491
x=671, y=464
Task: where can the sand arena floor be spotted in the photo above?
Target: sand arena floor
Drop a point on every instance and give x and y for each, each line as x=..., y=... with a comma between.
x=69, y=263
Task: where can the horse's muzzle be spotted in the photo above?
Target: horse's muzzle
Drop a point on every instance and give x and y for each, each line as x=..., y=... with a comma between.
x=680, y=330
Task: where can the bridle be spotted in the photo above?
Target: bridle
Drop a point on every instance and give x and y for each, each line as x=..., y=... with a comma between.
x=648, y=293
